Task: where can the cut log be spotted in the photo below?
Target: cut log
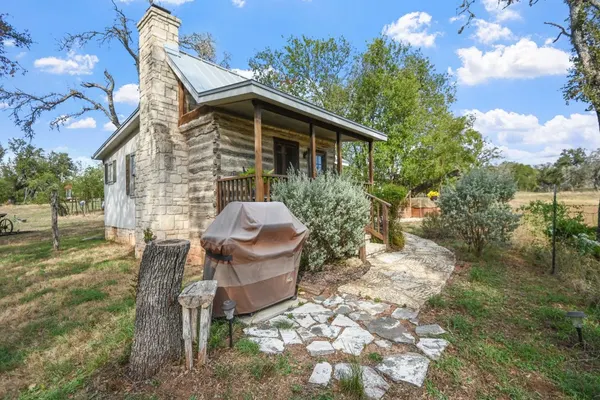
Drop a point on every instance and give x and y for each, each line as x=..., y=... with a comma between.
x=158, y=332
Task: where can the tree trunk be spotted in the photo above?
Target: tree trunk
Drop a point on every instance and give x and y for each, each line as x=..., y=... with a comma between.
x=158, y=328
x=54, y=206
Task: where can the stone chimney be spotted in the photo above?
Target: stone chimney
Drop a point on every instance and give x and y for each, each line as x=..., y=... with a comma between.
x=161, y=182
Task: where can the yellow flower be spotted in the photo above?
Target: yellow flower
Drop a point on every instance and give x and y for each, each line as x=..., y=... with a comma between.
x=433, y=193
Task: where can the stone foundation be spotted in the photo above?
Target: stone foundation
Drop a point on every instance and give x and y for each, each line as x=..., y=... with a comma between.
x=120, y=235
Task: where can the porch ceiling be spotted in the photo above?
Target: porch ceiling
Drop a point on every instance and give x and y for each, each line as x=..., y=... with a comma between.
x=246, y=109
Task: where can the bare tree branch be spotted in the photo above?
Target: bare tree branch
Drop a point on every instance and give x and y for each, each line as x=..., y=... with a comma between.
x=119, y=31
x=563, y=31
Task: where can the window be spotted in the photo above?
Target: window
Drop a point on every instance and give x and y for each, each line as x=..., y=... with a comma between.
x=130, y=174
x=287, y=154
x=321, y=161
x=110, y=172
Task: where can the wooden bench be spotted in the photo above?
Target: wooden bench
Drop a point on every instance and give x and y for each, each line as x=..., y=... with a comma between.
x=196, y=301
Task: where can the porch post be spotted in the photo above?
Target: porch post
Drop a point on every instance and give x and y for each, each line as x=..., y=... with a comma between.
x=338, y=136
x=371, y=162
x=258, y=167
x=313, y=151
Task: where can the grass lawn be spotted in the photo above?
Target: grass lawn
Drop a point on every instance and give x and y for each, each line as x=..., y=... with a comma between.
x=66, y=322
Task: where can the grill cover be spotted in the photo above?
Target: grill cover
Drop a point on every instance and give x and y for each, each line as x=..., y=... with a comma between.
x=253, y=252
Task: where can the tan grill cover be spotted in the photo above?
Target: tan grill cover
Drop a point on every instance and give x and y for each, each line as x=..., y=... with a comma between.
x=263, y=242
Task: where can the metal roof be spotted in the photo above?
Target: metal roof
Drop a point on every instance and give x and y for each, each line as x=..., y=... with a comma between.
x=200, y=74
x=212, y=84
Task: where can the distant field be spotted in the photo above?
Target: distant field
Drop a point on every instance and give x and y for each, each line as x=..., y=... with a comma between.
x=584, y=202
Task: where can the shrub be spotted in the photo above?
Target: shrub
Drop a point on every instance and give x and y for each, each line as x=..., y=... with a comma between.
x=434, y=227
x=570, y=229
x=335, y=210
x=396, y=237
x=477, y=208
x=393, y=194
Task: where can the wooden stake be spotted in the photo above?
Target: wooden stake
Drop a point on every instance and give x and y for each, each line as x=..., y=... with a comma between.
x=187, y=338
x=203, y=334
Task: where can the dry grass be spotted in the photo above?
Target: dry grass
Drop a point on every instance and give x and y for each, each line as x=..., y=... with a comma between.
x=61, y=314
x=585, y=202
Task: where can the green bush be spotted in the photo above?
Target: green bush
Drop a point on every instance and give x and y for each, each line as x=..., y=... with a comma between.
x=396, y=237
x=393, y=194
x=434, y=226
x=335, y=210
x=477, y=208
x=570, y=229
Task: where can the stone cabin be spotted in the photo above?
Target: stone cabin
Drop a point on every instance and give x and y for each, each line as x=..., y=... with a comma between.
x=176, y=161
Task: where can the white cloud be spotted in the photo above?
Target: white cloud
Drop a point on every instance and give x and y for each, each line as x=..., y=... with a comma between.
x=21, y=55
x=85, y=161
x=129, y=94
x=500, y=12
x=170, y=2
x=9, y=42
x=549, y=42
x=544, y=155
x=239, y=3
x=490, y=32
x=86, y=123
x=74, y=64
x=525, y=129
x=522, y=60
x=109, y=126
x=246, y=73
x=3, y=105
x=457, y=18
x=412, y=28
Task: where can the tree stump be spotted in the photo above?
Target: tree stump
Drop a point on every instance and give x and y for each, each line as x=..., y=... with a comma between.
x=158, y=328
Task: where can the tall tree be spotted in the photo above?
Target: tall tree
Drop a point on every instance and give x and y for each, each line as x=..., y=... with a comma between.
x=389, y=87
x=314, y=69
x=11, y=36
x=583, y=31
x=27, y=107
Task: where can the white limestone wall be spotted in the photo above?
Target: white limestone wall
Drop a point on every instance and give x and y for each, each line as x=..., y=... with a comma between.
x=119, y=208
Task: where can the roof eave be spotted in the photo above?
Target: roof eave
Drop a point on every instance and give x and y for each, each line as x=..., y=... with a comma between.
x=118, y=135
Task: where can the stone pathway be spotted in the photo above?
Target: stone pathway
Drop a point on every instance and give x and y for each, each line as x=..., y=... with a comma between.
x=347, y=323
x=407, y=277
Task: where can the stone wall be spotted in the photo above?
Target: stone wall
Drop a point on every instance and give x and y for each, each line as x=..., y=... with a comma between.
x=162, y=202
x=120, y=235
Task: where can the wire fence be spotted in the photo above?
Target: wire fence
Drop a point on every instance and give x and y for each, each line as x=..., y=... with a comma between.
x=589, y=212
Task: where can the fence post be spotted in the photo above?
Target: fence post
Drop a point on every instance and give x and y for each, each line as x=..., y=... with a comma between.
x=554, y=233
x=598, y=224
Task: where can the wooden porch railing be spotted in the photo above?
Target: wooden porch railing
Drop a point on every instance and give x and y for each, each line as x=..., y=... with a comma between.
x=378, y=225
x=243, y=188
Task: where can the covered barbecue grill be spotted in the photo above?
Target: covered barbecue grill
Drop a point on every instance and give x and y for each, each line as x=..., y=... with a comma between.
x=253, y=252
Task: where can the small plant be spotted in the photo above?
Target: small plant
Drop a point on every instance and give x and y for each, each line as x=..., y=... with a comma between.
x=436, y=301
x=261, y=367
x=375, y=357
x=218, y=332
x=281, y=324
x=296, y=388
x=377, y=300
x=352, y=383
x=149, y=235
x=434, y=227
x=247, y=347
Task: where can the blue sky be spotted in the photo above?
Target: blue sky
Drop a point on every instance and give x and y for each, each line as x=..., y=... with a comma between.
x=508, y=73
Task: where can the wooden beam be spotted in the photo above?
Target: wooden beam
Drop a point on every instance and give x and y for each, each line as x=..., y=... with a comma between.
x=371, y=162
x=192, y=115
x=258, y=167
x=338, y=136
x=313, y=150
x=181, y=98
x=300, y=117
